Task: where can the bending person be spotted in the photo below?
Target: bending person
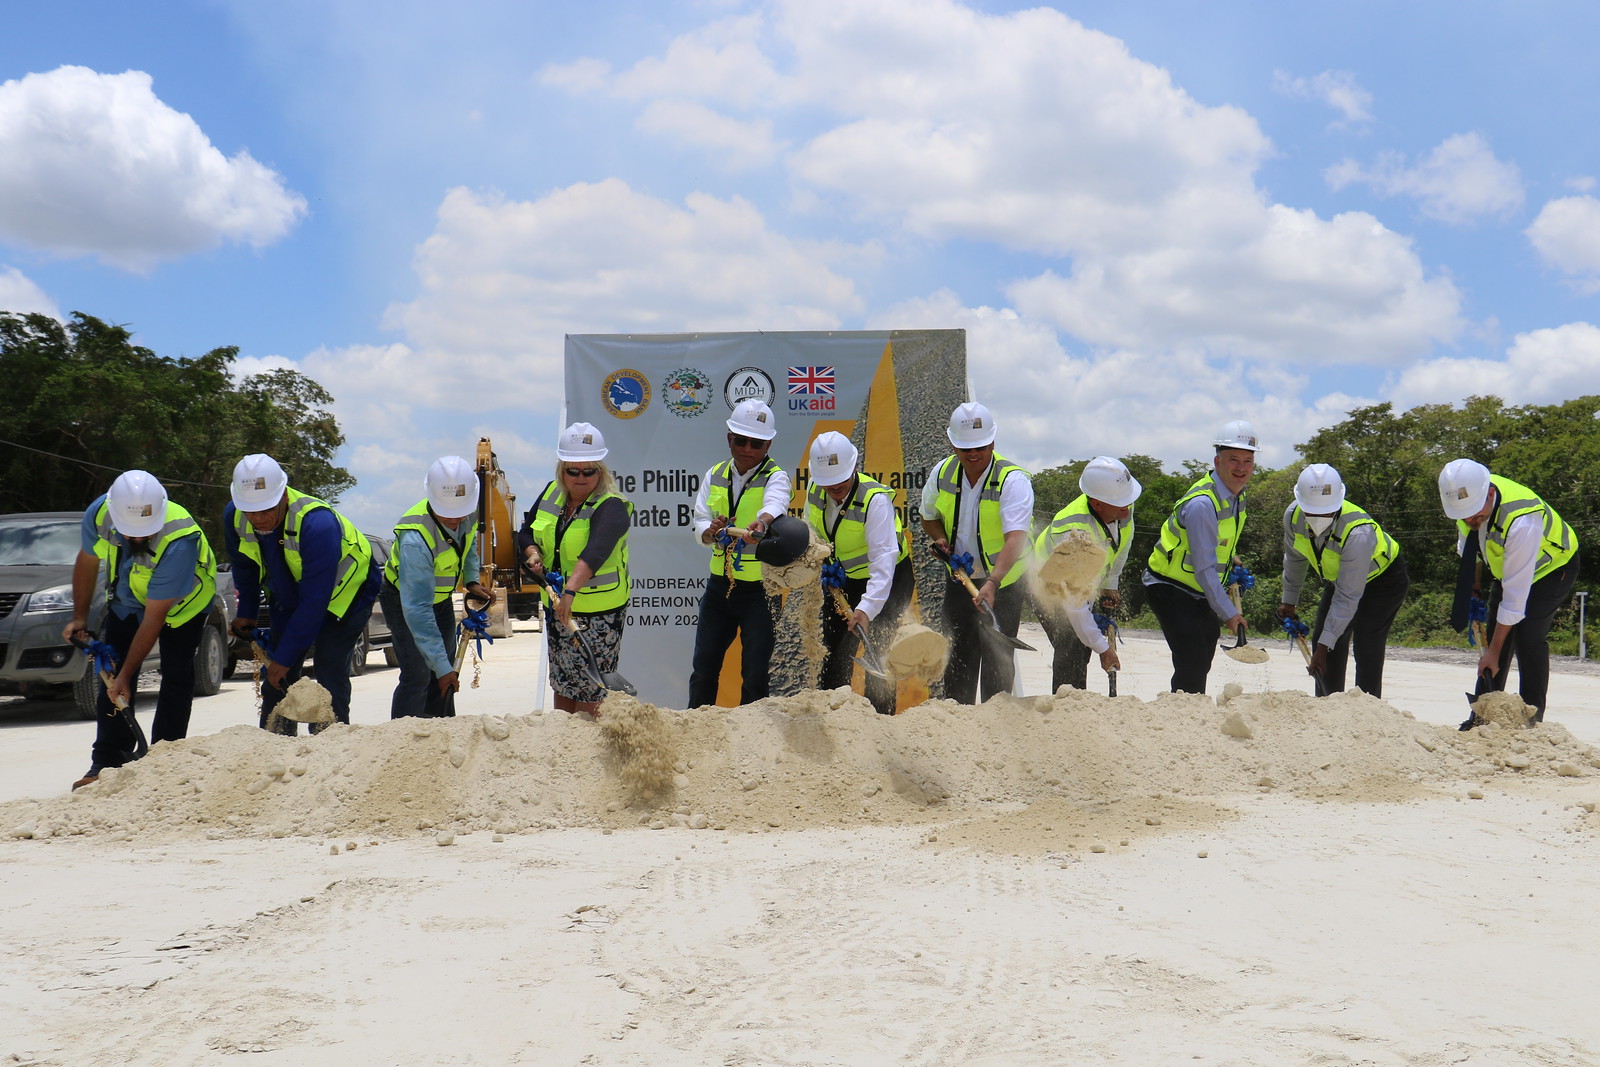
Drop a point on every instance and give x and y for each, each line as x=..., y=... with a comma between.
x=857, y=516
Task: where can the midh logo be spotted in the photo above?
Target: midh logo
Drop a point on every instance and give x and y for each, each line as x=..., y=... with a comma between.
x=748, y=383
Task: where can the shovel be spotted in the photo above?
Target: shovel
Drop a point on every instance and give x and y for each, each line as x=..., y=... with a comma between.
x=993, y=630
x=141, y=744
x=611, y=680
x=1111, y=676
x=866, y=655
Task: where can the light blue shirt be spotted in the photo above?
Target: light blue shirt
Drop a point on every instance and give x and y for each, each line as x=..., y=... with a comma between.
x=415, y=583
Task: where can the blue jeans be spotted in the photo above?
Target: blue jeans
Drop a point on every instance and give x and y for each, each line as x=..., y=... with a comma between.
x=417, y=691
x=330, y=659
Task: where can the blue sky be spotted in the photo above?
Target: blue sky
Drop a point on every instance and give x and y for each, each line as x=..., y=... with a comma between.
x=1149, y=217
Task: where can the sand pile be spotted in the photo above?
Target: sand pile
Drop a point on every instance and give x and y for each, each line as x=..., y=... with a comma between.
x=819, y=759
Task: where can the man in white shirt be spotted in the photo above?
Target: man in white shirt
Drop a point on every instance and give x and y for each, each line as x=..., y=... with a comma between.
x=978, y=503
x=1532, y=555
x=746, y=491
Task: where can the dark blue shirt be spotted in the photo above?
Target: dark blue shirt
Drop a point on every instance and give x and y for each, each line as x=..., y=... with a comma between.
x=299, y=608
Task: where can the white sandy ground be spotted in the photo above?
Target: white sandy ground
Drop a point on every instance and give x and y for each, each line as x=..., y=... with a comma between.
x=1035, y=882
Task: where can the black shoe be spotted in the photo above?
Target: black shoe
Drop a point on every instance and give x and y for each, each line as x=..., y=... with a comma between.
x=1472, y=720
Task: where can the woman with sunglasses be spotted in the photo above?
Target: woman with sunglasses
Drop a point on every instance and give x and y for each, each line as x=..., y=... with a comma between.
x=579, y=529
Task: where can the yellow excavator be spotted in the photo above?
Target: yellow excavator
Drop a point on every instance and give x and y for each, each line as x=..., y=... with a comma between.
x=497, y=546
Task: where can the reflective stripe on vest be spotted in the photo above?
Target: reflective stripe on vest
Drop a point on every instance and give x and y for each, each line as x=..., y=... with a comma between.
x=719, y=500
x=608, y=587
x=447, y=562
x=951, y=482
x=1170, y=558
x=1326, y=561
x=849, y=534
x=179, y=524
x=1559, y=543
x=355, y=553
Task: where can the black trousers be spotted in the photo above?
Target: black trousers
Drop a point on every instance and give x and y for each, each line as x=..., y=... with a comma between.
x=1529, y=640
x=1368, y=632
x=1069, y=660
x=113, y=740
x=841, y=643
x=747, y=614
x=1191, y=629
x=975, y=659
x=416, y=691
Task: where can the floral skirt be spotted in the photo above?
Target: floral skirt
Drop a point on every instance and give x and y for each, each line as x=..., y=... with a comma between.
x=569, y=674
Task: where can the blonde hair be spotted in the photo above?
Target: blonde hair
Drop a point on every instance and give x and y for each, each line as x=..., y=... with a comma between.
x=606, y=486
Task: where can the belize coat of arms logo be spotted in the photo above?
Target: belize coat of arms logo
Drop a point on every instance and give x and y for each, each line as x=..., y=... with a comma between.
x=686, y=392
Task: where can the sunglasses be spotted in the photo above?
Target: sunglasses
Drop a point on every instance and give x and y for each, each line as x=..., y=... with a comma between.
x=739, y=440
x=582, y=472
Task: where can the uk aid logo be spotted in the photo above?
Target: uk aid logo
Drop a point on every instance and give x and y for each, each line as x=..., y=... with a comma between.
x=811, y=388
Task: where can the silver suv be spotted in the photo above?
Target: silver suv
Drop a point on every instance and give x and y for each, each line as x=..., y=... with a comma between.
x=37, y=552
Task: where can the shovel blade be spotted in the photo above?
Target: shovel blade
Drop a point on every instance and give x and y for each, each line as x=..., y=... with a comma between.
x=994, y=632
x=618, y=684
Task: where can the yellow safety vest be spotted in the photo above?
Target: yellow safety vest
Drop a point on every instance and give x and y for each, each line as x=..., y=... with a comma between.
x=442, y=542
x=1326, y=561
x=950, y=482
x=849, y=535
x=719, y=492
x=608, y=588
x=355, y=553
x=179, y=524
x=1170, y=558
x=1559, y=545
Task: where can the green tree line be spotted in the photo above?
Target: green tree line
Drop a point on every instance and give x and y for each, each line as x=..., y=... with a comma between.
x=1390, y=464
x=81, y=403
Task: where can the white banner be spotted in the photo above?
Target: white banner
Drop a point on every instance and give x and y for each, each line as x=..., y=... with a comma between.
x=662, y=402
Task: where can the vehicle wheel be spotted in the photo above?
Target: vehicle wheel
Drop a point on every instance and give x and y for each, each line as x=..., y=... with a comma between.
x=210, y=662
x=358, y=655
x=390, y=658
x=85, y=692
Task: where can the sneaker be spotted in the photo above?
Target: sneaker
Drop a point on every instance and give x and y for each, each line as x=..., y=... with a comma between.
x=90, y=776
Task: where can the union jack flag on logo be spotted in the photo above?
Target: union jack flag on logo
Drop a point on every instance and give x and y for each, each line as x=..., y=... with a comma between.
x=812, y=381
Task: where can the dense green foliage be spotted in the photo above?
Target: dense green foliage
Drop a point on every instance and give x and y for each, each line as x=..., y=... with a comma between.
x=80, y=398
x=1390, y=464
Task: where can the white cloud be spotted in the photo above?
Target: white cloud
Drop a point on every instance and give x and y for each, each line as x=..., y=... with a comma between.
x=1460, y=181
x=580, y=76
x=19, y=295
x=1566, y=235
x=504, y=280
x=739, y=145
x=1541, y=367
x=1345, y=290
x=1336, y=88
x=246, y=366
x=95, y=164
x=1052, y=406
x=1030, y=132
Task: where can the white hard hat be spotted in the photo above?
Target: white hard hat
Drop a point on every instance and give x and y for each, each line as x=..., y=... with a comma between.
x=258, y=483
x=971, y=426
x=452, y=487
x=833, y=459
x=580, y=442
x=1108, y=481
x=138, y=504
x=753, y=419
x=1237, y=434
x=1319, y=490
x=1463, y=488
